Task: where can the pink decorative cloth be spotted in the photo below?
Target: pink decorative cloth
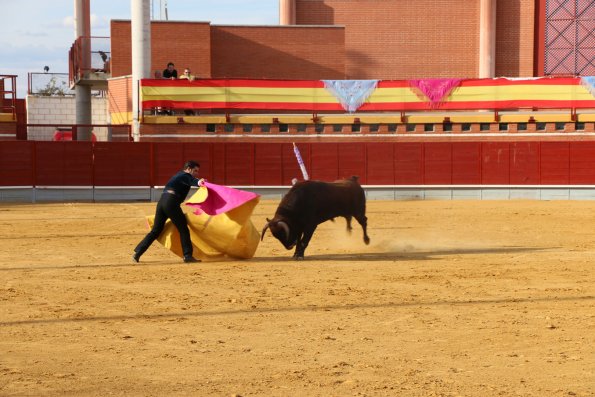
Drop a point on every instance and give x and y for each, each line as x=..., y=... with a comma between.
x=221, y=199
x=434, y=90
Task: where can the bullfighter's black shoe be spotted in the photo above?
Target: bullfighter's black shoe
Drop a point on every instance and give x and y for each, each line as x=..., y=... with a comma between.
x=190, y=259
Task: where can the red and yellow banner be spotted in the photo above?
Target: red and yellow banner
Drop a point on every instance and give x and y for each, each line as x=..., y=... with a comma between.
x=390, y=95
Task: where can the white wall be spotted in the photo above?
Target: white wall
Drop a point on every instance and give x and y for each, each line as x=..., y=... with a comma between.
x=62, y=110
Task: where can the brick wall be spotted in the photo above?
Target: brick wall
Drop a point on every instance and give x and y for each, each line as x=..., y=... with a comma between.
x=370, y=39
x=120, y=100
x=61, y=110
x=186, y=44
x=402, y=39
x=278, y=52
x=424, y=38
x=515, y=24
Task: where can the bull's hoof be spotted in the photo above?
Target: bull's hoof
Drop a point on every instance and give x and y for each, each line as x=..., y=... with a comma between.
x=367, y=240
x=298, y=258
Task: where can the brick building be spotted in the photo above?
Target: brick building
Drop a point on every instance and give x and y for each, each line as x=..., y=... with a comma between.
x=380, y=39
x=367, y=39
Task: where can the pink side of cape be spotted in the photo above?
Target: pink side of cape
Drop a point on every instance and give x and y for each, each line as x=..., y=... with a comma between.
x=221, y=199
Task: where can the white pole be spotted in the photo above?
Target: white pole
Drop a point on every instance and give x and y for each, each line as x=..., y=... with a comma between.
x=487, y=39
x=287, y=12
x=82, y=92
x=141, y=56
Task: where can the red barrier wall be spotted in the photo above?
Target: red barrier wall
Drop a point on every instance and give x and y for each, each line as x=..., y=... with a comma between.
x=555, y=163
x=581, y=163
x=64, y=163
x=466, y=163
x=122, y=164
x=31, y=163
x=17, y=167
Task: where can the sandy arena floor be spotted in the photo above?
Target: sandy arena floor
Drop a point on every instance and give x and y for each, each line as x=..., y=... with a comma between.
x=451, y=298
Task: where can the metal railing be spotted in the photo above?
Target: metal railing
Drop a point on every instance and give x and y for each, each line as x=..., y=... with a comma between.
x=53, y=84
x=48, y=84
x=8, y=94
x=89, y=55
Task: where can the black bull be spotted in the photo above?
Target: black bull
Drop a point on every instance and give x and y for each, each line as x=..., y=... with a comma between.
x=310, y=203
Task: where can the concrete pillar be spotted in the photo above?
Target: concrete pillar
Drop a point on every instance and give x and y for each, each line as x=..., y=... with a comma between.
x=82, y=93
x=287, y=12
x=82, y=28
x=487, y=38
x=141, y=56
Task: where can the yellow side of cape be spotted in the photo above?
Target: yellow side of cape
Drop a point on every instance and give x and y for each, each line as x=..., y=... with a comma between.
x=213, y=237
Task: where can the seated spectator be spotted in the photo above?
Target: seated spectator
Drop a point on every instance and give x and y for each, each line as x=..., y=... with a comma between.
x=187, y=75
x=159, y=111
x=170, y=72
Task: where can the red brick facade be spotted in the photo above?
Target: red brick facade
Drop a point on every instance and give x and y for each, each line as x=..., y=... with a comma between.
x=424, y=38
x=278, y=52
x=186, y=44
x=120, y=100
x=402, y=39
x=236, y=51
x=345, y=39
x=515, y=26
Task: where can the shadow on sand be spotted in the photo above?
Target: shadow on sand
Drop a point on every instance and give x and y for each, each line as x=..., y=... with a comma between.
x=351, y=257
x=397, y=255
x=297, y=309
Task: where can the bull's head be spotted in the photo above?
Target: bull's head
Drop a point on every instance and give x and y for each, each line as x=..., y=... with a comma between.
x=281, y=230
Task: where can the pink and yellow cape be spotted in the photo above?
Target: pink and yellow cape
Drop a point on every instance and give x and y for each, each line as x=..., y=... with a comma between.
x=219, y=224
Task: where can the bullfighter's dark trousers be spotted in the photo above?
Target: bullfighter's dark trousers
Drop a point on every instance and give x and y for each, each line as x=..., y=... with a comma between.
x=167, y=207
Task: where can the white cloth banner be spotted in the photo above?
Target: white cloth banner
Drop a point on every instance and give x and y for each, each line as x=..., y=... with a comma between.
x=351, y=93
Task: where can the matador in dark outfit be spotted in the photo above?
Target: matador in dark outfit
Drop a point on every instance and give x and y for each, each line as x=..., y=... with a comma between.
x=168, y=207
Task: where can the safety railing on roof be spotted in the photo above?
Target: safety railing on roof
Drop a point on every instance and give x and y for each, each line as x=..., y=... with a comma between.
x=8, y=95
x=89, y=55
x=49, y=84
x=53, y=84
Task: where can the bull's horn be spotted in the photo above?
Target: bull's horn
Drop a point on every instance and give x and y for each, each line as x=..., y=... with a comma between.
x=285, y=228
x=264, y=229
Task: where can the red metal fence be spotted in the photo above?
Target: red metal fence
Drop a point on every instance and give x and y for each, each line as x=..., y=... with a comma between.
x=34, y=163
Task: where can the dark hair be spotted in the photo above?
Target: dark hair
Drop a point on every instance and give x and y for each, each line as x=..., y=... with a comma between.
x=170, y=63
x=191, y=164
